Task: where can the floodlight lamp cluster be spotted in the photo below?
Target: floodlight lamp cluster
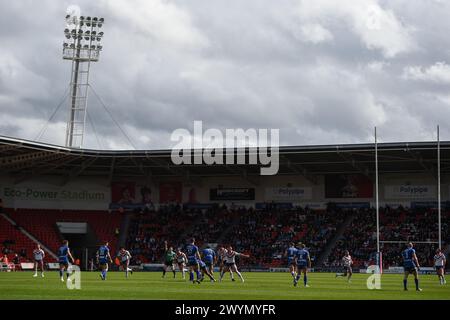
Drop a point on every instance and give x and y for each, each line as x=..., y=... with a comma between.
x=83, y=38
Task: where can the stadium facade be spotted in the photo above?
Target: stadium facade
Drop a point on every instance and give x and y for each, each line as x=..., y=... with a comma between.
x=38, y=175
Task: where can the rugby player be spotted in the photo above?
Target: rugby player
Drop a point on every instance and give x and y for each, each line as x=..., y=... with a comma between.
x=439, y=264
x=347, y=262
x=169, y=259
x=103, y=257
x=411, y=266
x=221, y=258
x=230, y=263
x=193, y=256
x=39, y=256
x=181, y=261
x=204, y=269
x=209, y=256
x=63, y=258
x=125, y=257
x=290, y=254
x=303, y=262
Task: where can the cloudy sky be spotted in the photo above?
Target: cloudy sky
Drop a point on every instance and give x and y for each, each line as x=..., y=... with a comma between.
x=321, y=71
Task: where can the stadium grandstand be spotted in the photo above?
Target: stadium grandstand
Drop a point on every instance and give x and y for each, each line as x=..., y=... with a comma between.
x=323, y=196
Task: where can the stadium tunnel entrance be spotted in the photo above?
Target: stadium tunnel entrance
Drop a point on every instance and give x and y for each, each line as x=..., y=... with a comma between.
x=82, y=241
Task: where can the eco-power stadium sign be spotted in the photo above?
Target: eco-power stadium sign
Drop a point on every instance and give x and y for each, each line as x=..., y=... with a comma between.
x=49, y=194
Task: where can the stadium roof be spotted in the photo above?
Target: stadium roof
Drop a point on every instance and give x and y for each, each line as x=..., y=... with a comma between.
x=26, y=159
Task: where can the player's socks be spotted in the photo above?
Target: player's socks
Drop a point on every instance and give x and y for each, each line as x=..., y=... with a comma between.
x=240, y=276
x=416, y=281
x=164, y=273
x=405, y=284
x=305, y=280
x=191, y=276
x=61, y=274
x=221, y=276
x=199, y=275
x=173, y=273
x=293, y=274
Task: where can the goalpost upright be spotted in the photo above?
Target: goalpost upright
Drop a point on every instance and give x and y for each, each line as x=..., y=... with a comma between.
x=377, y=207
x=439, y=187
x=439, y=204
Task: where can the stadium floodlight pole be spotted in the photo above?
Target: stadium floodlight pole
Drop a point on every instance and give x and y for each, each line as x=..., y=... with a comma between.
x=377, y=207
x=439, y=187
x=82, y=46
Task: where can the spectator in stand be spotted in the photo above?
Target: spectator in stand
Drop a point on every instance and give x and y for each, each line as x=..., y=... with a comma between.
x=5, y=259
x=16, y=259
x=266, y=234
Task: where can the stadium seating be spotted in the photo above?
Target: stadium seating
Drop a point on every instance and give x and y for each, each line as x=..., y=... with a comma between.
x=266, y=234
x=149, y=229
x=42, y=224
x=262, y=234
x=14, y=241
x=395, y=225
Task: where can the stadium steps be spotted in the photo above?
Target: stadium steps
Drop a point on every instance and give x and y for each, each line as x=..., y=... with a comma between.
x=28, y=235
x=332, y=243
x=124, y=230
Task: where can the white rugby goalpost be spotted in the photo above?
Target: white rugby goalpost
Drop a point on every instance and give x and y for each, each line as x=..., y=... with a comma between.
x=379, y=255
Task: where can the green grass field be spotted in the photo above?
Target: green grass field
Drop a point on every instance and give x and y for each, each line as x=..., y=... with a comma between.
x=149, y=285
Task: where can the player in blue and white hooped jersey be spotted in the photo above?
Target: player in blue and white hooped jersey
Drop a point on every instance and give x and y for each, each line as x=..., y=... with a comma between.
x=303, y=262
x=103, y=257
x=63, y=258
x=439, y=263
x=193, y=256
x=209, y=257
x=290, y=254
x=411, y=266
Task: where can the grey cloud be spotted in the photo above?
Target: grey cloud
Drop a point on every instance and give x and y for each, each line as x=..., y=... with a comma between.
x=230, y=64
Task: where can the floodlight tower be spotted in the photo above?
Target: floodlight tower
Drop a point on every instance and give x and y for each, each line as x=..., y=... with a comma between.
x=81, y=46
